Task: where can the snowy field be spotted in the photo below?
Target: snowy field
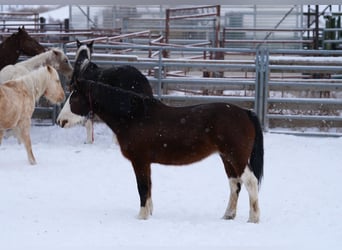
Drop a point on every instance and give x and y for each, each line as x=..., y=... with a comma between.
x=83, y=196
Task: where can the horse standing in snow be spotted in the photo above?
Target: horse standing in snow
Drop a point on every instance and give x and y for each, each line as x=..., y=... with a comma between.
x=149, y=131
x=18, y=98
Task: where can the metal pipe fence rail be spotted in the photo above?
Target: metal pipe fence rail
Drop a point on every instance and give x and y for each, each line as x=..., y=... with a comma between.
x=309, y=100
x=161, y=67
x=292, y=91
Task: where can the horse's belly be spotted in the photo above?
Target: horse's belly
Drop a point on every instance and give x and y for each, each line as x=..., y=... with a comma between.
x=9, y=120
x=182, y=155
x=11, y=109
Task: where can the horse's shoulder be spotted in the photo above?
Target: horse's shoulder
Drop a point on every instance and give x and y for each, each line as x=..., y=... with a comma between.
x=10, y=83
x=7, y=67
x=11, y=87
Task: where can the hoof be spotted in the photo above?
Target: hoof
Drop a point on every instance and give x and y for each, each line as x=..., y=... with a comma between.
x=146, y=211
x=253, y=220
x=229, y=215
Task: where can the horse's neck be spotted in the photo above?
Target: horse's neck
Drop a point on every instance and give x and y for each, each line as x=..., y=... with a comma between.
x=10, y=44
x=38, y=60
x=9, y=51
x=35, y=82
x=81, y=65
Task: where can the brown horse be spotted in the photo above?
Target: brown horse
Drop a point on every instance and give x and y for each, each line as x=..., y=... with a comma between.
x=18, y=43
x=149, y=131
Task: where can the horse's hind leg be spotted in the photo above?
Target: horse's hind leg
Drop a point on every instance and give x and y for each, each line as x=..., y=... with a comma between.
x=235, y=187
x=143, y=176
x=251, y=183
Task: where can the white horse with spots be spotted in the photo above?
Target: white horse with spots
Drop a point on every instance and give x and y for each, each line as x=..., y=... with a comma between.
x=66, y=118
x=18, y=98
x=54, y=57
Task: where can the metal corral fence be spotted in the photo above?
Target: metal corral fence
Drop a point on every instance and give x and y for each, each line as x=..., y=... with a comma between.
x=292, y=91
x=302, y=89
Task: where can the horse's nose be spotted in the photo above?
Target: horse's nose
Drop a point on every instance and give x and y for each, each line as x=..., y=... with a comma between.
x=62, y=123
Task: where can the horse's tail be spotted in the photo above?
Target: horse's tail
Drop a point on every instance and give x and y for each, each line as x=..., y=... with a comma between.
x=257, y=156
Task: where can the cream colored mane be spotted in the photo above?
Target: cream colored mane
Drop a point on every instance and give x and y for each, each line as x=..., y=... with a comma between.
x=36, y=81
x=54, y=57
x=46, y=58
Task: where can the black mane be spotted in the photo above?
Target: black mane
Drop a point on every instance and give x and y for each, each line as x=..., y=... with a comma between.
x=125, y=77
x=83, y=55
x=114, y=100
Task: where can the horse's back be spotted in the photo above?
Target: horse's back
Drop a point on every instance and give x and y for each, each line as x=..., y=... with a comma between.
x=230, y=123
x=236, y=116
x=10, y=72
x=225, y=125
x=126, y=77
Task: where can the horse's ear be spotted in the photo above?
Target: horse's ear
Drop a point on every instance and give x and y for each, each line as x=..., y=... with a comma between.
x=56, y=52
x=90, y=46
x=79, y=44
x=49, y=68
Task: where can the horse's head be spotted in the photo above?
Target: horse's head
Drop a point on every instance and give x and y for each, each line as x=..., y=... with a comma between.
x=28, y=45
x=79, y=103
x=83, y=53
x=83, y=56
x=61, y=62
x=86, y=48
x=54, y=91
x=66, y=118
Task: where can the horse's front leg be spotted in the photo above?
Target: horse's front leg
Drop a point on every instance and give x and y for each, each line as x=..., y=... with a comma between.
x=89, y=125
x=143, y=176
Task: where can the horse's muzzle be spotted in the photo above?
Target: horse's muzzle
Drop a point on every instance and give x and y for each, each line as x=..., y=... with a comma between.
x=62, y=123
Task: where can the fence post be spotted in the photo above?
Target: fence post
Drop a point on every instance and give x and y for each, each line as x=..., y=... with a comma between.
x=159, y=74
x=261, y=82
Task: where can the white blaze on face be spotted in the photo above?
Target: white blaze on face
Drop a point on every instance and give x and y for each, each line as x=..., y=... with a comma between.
x=83, y=47
x=66, y=118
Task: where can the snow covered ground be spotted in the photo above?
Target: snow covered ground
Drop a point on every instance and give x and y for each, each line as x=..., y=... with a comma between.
x=83, y=196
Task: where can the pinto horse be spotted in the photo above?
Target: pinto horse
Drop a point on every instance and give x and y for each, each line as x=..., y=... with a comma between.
x=17, y=102
x=17, y=43
x=149, y=131
x=83, y=55
x=125, y=77
x=54, y=57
